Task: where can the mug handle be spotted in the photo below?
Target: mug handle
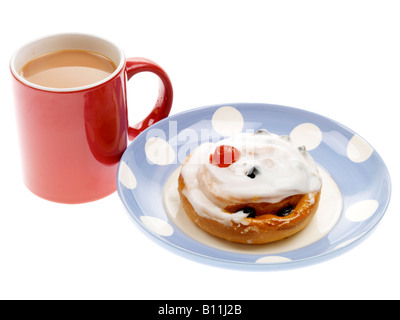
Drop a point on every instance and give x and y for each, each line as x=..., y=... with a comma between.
x=163, y=105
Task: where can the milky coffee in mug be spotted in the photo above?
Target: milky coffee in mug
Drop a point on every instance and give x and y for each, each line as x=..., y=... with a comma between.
x=68, y=68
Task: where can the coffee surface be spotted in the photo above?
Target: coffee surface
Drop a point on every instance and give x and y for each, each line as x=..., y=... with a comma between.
x=68, y=69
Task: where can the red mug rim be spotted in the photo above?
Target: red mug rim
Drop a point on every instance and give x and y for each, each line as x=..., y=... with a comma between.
x=71, y=41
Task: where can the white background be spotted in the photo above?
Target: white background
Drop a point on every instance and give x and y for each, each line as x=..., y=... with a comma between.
x=338, y=58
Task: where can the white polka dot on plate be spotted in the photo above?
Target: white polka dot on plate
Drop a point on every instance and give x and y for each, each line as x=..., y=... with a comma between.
x=362, y=210
x=273, y=259
x=159, y=151
x=358, y=150
x=126, y=176
x=157, y=225
x=307, y=134
x=227, y=121
x=348, y=242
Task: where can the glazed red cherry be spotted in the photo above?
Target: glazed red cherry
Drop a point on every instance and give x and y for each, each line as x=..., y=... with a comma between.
x=224, y=156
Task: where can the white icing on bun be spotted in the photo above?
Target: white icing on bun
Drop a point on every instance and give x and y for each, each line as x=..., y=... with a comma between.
x=283, y=168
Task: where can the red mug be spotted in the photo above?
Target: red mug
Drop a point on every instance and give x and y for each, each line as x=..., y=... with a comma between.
x=72, y=139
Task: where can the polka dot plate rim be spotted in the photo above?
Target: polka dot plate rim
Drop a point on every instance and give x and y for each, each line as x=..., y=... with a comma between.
x=157, y=152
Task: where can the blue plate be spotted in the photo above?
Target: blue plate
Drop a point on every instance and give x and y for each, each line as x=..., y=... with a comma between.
x=356, y=168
